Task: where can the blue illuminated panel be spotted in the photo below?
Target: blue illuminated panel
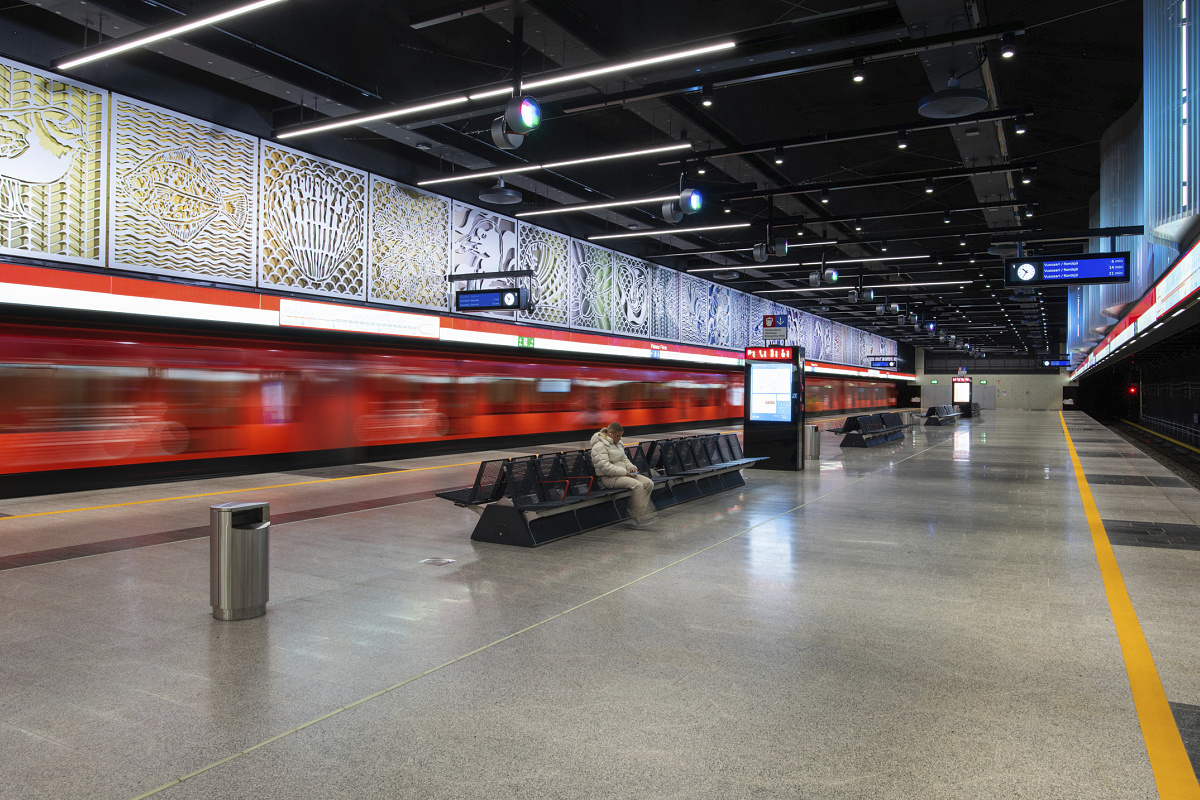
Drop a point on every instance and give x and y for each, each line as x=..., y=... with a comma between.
x=478, y=300
x=1061, y=270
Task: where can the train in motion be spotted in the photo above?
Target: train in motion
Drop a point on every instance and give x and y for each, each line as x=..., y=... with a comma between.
x=140, y=405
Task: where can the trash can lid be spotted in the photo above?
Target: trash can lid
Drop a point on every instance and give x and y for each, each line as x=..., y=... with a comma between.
x=238, y=506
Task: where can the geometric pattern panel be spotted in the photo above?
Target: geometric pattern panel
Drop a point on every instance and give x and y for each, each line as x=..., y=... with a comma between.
x=695, y=312
x=183, y=195
x=664, y=303
x=631, y=304
x=545, y=252
x=591, y=286
x=53, y=146
x=313, y=218
x=482, y=241
x=410, y=246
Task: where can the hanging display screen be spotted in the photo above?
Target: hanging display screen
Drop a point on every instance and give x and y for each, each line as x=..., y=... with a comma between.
x=1063, y=270
x=771, y=392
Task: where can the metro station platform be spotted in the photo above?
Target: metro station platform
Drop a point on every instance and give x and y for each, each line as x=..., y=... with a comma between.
x=932, y=618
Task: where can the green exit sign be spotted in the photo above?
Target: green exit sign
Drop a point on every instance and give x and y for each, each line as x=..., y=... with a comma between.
x=524, y=341
x=933, y=381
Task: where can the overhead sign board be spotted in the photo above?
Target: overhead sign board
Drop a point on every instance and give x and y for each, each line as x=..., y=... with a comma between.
x=885, y=364
x=1067, y=270
x=491, y=300
x=770, y=354
x=775, y=327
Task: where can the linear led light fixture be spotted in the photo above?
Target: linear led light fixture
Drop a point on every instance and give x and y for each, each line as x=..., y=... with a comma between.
x=876, y=288
x=492, y=173
x=485, y=94
x=729, y=267
x=803, y=264
x=159, y=32
x=667, y=231
x=592, y=206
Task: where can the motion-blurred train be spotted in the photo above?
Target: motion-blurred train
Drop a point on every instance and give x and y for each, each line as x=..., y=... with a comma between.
x=139, y=405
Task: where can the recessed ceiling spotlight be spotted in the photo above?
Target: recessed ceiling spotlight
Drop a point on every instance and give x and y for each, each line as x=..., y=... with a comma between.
x=1007, y=48
x=883, y=245
x=929, y=186
x=824, y=195
x=778, y=155
x=858, y=224
x=1026, y=176
x=706, y=95
x=946, y=218
x=702, y=167
x=858, y=74
x=902, y=140
x=1019, y=124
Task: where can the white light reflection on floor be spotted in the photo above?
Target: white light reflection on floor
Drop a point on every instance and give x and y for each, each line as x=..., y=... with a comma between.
x=962, y=445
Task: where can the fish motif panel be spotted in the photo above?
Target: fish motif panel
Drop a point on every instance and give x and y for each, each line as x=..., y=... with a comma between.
x=481, y=241
x=313, y=224
x=631, y=305
x=664, y=303
x=53, y=148
x=410, y=246
x=591, y=303
x=184, y=195
x=545, y=252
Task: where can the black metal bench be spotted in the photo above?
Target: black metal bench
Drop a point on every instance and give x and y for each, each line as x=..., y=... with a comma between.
x=490, y=484
x=871, y=430
x=552, y=496
x=941, y=415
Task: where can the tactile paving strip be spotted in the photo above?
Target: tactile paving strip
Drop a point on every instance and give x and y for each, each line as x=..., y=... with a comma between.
x=1134, y=533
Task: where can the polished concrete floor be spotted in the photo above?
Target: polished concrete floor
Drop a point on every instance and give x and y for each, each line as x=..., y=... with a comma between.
x=924, y=619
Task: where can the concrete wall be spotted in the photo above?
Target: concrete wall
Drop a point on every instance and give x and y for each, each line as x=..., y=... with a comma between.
x=1011, y=391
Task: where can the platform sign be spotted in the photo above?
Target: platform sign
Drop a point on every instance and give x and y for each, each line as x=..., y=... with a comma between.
x=1087, y=268
x=774, y=406
x=890, y=364
x=775, y=327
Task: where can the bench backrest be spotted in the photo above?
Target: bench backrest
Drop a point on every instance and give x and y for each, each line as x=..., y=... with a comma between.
x=851, y=424
x=552, y=477
x=638, y=456
x=490, y=482
x=683, y=449
x=713, y=449
x=870, y=423
x=734, y=445
x=524, y=484
x=699, y=452
x=670, y=457
x=891, y=419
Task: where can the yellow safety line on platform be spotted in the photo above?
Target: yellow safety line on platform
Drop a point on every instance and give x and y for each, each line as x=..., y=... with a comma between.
x=232, y=491
x=515, y=634
x=1159, y=435
x=1169, y=761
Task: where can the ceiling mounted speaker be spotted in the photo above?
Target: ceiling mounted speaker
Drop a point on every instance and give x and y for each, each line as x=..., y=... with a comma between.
x=500, y=195
x=727, y=276
x=814, y=279
x=759, y=253
x=779, y=247
x=671, y=212
x=952, y=102
x=852, y=296
x=1003, y=250
x=502, y=137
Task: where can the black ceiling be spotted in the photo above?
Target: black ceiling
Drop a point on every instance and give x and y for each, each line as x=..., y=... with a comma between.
x=788, y=82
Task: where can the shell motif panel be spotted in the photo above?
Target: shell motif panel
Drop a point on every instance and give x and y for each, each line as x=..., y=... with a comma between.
x=53, y=149
x=409, y=246
x=664, y=303
x=545, y=252
x=313, y=220
x=591, y=286
x=184, y=195
x=631, y=301
x=694, y=310
x=482, y=241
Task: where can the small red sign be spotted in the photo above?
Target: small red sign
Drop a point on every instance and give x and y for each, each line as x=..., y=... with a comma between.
x=770, y=353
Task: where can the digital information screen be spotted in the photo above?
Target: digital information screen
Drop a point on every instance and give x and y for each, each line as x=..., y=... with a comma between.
x=883, y=364
x=1063, y=270
x=962, y=392
x=491, y=300
x=771, y=392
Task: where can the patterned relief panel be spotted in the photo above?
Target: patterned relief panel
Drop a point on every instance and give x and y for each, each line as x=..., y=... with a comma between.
x=718, y=305
x=756, y=308
x=591, y=295
x=738, y=305
x=313, y=219
x=545, y=252
x=664, y=303
x=694, y=311
x=481, y=241
x=53, y=136
x=184, y=194
x=409, y=246
x=631, y=295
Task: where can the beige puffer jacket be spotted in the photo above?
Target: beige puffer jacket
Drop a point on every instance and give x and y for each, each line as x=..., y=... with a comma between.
x=608, y=458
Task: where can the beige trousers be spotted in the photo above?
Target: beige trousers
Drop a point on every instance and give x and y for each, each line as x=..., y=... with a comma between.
x=640, y=507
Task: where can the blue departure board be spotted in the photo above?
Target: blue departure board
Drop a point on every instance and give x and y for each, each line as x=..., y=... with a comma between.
x=1062, y=270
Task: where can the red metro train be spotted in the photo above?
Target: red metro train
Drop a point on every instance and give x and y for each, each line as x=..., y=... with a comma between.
x=78, y=398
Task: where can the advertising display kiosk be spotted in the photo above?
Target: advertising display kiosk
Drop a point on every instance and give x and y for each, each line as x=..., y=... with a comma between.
x=773, y=425
x=962, y=390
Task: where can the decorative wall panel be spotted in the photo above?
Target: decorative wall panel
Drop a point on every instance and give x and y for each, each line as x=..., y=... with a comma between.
x=664, y=303
x=631, y=296
x=481, y=241
x=718, y=305
x=409, y=246
x=545, y=252
x=313, y=219
x=756, y=308
x=184, y=195
x=591, y=286
x=53, y=136
x=694, y=315
x=738, y=305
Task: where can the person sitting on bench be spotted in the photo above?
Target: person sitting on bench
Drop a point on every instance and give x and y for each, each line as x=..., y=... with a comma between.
x=616, y=471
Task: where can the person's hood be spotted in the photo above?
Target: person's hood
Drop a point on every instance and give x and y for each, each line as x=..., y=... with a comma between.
x=601, y=434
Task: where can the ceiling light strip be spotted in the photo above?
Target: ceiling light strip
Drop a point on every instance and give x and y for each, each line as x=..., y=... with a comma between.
x=593, y=206
x=158, y=33
x=876, y=288
x=506, y=91
x=491, y=173
x=667, y=231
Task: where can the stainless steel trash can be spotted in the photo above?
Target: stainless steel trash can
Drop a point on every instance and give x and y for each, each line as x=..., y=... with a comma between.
x=812, y=441
x=238, y=569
